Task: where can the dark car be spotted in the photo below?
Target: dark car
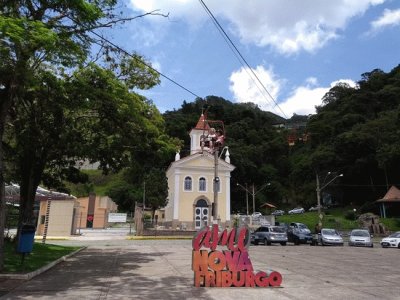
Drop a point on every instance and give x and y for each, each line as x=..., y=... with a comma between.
x=268, y=235
x=299, y=233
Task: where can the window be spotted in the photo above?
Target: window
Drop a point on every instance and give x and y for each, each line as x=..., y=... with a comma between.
x=202, y=184
x=188, y=184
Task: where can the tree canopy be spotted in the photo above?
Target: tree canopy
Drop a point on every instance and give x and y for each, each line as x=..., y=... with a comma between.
x=56, y=106
x=355, y=132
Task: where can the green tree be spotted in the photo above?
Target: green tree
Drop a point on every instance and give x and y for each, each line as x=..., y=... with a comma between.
x=32, y=32
x=93, y=116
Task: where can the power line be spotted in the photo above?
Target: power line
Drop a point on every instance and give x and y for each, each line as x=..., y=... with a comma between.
x=135, y=58
x=237, y=53
x=147, y=65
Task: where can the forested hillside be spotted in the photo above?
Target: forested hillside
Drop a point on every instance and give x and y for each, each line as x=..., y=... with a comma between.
x=355, y=132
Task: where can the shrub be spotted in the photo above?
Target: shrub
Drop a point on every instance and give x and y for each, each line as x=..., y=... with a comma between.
x=350, y=215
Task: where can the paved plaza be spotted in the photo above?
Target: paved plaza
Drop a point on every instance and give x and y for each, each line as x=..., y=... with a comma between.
x=116, y=268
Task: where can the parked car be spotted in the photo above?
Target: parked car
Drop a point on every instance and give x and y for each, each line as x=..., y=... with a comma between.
x=392, y=240
x=330, y=237
x=298, y=210
x=360, y=237
x=278, y=212
x=256, y=215
x=299, y=233
x=268, y=235
x=315, y=208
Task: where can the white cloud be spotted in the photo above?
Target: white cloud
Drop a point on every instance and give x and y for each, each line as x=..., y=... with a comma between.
x=301, y=101
x=304, y=99
x=389, y=18
x=287, y=26
x=245, y=87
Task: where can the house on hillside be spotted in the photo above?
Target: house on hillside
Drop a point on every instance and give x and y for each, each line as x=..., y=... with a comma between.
x=190, y=185
x=389, y=205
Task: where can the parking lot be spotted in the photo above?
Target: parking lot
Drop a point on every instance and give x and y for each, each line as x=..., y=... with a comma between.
x=317, y=272
x=161, y=269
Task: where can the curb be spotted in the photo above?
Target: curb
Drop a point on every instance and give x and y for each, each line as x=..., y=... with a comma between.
x=140, y=238
x=32, y=274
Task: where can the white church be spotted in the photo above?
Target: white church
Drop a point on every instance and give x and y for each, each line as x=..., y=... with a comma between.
x=190, y=185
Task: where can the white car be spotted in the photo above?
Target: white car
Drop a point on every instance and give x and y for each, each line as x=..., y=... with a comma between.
x=256, y=215
x=392, y=240
x=298, y=210
x=360, y=237
x=315, y=208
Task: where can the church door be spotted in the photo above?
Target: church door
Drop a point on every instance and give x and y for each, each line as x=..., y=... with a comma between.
x=201, y=214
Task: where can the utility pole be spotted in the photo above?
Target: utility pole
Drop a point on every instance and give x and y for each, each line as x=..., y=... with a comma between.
x=247, y=201
x=144, y=194
x=319, y=190
x=216, y=182
x=253, y=192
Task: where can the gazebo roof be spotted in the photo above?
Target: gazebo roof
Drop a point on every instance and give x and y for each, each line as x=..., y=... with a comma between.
x=392, y=195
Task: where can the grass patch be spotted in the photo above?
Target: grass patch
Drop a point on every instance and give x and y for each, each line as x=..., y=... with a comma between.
x=41, y=255
x=331, y=220
x=392, y=224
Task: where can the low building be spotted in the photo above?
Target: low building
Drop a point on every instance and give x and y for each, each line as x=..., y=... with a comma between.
x=94, y=210
x=60, y=214
x=67, y=215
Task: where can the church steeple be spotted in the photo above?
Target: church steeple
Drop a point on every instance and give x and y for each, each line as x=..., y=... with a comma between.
x=196, y=133
x=202, y=124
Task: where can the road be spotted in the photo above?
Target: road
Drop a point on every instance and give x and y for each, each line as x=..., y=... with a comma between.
x=115, y=268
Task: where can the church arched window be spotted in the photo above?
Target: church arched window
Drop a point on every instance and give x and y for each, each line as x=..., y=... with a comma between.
x=188, y=184
x=202, y=184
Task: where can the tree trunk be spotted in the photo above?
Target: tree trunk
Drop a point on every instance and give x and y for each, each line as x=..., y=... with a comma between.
x=4, y=109
x=31, y=171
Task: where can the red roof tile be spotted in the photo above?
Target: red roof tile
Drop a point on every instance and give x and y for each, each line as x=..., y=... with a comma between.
x=202, y=124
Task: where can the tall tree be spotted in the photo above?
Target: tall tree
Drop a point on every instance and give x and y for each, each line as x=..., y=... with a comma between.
x=33, y=32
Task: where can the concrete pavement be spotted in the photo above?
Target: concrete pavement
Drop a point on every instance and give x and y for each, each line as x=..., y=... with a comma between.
x=161, y=269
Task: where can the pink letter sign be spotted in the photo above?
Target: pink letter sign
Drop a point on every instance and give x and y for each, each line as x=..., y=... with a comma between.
x=227, y=268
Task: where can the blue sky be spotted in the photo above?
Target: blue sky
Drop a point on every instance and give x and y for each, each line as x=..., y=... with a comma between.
x=298, y=48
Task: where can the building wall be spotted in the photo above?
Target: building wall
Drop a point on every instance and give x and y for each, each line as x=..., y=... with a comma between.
x=97, y=208
x=182, y=203
x=60, y=217
x=66, y=217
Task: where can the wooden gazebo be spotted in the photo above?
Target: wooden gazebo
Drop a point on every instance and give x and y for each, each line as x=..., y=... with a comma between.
x=390, y=202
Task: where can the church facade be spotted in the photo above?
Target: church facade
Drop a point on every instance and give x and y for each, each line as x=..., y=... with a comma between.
x=191, y=186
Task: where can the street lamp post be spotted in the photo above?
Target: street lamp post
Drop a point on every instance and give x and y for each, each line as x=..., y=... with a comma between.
x=319, y=189
x=247, y=197
x=253, y=193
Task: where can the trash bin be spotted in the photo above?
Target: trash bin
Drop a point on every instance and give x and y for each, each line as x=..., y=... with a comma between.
x=26, y=238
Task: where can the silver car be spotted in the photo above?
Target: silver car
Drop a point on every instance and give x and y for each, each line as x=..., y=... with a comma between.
x=298, y=210
x=330, y=237
x=268, y=235
x=360, y=237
